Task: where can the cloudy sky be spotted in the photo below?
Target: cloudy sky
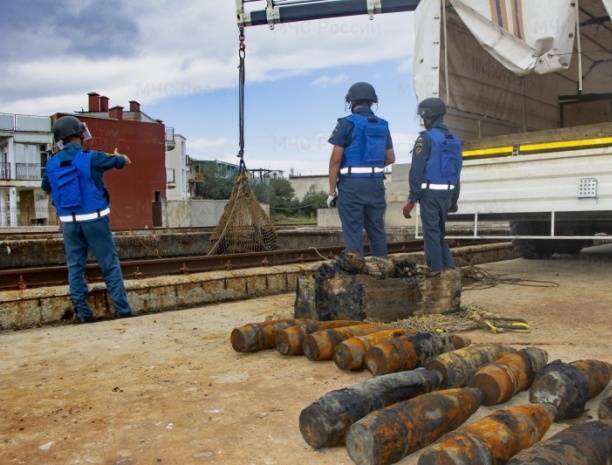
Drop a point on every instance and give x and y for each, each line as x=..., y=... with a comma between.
x=179, y=59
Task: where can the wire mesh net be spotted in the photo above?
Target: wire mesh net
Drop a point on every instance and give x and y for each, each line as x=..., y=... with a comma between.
x=244, y=226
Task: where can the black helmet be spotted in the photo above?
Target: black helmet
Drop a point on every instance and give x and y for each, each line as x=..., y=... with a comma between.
x=67, y=126
x=431, y=108
x=361, y=91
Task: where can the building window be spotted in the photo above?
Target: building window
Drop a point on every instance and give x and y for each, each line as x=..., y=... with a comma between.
x=170, y=176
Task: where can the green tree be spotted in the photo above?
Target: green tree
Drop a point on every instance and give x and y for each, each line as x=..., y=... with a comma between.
x=312, y=201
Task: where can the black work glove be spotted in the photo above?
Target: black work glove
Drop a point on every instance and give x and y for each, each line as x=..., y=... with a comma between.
x=454, y=208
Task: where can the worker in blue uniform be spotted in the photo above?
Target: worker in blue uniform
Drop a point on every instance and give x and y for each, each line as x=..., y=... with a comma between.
x=362, y=147
x=435, y=181
x=74, y=178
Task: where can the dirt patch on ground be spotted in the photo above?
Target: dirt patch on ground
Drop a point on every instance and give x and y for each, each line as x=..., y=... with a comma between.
x=168, y=389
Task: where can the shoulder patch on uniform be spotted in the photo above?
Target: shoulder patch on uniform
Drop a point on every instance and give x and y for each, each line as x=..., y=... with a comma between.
x=418, y=146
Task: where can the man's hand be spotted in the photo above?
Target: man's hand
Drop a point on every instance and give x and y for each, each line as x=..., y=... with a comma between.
x=454, y=208
x=408, y=209
x=125, y=157
x=331, y=200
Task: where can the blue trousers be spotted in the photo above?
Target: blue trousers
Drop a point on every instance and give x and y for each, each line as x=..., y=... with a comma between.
x=79, y=237
x=434, y=212
x=361, y=204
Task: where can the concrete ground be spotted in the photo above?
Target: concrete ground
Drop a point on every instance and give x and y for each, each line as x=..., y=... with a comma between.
x=168, y=389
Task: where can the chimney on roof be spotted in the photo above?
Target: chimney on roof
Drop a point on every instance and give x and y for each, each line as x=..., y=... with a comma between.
x=94, y=102
x=104, y=104
x=116, y=112
x=134, y=106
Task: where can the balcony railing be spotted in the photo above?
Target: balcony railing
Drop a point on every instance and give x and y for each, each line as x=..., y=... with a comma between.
x=25, y=216
x=28, y=171
x=5, y=171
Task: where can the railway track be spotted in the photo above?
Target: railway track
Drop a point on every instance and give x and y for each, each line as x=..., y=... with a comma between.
x=23, y=278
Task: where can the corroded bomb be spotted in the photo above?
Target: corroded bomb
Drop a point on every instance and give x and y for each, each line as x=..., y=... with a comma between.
x=257, y=336
x=585, y=444
x=509, y=374
x=351, y=354
x=408, y=352
x=494, y=439
x=388, y=435
x=290, y=341
x=459, y=366
x=569, y=386
x=605, y=407
x=324, y=423
x=320, y=345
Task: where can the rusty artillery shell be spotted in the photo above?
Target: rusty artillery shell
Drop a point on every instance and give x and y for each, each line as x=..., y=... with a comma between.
x=257, y=336
x=605, y=407
x=509, y=374
x=290, y=341
x=320, y=345
x=351, y=354
x=324, y=423
x=494, y=439
x=388, y=435
x=459, y=366
x=585, y=444
x=569, y=386
x=408, y=352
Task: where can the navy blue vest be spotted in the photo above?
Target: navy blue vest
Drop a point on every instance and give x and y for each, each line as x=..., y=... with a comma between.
x=445, y=160
x=368, y=144
x=72, y=188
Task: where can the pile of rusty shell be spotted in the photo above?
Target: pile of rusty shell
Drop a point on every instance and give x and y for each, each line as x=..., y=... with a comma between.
x=320, y=345
x=290, y=341
x=569, y=386
x=459, y=366
x=257, y=336
x=388, y=435
x=494, y=439
x=605, y=407
x=351, y=354
x=509, y=374
x=324, y=423
x=585, y=444
x=408, y=352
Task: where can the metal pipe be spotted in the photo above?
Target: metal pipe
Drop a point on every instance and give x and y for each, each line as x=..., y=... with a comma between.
x=290, y=13
x=444, y=24
x=579, y=48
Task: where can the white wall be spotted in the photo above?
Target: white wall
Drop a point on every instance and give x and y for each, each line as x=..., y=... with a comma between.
x=197, y=213
x=176, y=161
x=301, y=184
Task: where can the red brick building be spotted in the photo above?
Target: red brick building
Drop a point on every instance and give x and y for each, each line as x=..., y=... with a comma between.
x=138, y=190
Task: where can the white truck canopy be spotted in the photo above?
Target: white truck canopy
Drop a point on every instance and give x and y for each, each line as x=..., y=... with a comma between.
x=507, y=66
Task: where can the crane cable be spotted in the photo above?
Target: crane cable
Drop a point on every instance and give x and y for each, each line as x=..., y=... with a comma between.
x=241, y=84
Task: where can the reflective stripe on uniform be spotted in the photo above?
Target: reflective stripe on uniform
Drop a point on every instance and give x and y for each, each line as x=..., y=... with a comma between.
x=437, y=187
x=361, y=170
x=85, y=217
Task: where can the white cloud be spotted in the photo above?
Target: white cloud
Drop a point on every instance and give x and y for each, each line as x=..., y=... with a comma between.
x=405, y=66
x=188, y=47
x=328, y=81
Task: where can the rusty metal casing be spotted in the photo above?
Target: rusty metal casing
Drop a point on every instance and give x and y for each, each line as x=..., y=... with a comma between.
x=584, y=444
x=254, y=337
x=569, y=386
x=459, y=366
x=324, y=423
x=388, y=435
x=494, y=439
x=290, y=341
x=408, y=352
x=605, y=407
x=509, y=374
x=351, y=354
x=321, y=344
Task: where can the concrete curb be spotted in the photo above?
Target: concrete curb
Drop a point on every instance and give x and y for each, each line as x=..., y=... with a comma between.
x=42, y=306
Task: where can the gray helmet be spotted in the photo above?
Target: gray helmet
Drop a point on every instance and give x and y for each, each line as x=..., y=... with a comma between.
x=67, y=126
x=431, y=108
x=361, y=91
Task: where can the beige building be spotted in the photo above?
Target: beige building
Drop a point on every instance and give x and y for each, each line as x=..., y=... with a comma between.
x=25, y=142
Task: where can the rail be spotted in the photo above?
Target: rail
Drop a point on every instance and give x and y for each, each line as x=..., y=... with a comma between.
x=22, y=278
